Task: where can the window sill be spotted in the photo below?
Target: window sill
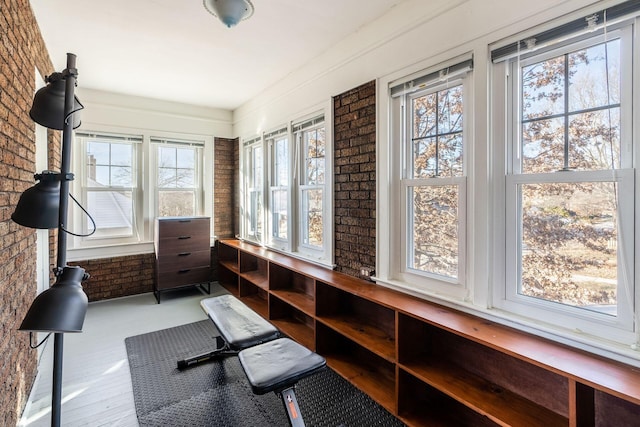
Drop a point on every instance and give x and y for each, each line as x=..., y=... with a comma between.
x=109, y=251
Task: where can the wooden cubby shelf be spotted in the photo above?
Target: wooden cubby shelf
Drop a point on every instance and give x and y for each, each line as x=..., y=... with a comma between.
x=425, y=363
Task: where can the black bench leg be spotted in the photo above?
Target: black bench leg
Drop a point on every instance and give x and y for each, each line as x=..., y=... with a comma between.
x=291, y=405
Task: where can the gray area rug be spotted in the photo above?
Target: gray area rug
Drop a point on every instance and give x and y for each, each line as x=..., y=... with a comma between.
x=216, y=393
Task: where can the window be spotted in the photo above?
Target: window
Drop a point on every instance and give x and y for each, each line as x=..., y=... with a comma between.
x=125, y=181
x=179, y=192
x=285, y=183
x=569, y=182
x=110, y=185
x=254, y=168
x=429, y=122
x=278, y=145
x=310, y=137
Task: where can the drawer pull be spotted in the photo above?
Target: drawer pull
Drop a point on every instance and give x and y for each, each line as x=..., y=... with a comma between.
x=186, y=270
x=184, y=220
x=184, y=237
x=184, y=254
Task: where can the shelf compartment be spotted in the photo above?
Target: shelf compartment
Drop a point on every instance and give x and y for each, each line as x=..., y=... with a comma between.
x=254, y=269
x=292, y=322
x=228, y=257
x=367, y=371
x=293, y=288
x=613, y=411
x=228, y=279
x=420, y=404
x=508, y=390
x=255, y=297
x=365, y=322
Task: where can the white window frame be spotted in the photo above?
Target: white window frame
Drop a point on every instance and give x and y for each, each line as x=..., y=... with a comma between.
x=505, y=296
x=299, y=129
x=251, y=219
x=272, y=139
x=197, y=189
x=82, y=221
x=394, y=263
x=145, y=199
x=293, y=245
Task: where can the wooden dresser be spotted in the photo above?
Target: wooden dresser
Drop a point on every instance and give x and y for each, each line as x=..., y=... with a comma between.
x=183, y=253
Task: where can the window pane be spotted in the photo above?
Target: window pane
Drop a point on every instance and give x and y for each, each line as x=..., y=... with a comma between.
x=424, y=158
x=279, y=211
x=257, y=167
x=98, y=153
x=434, y=222
x=176, y=203
x=424, y=116
x=450, y=155
x=594, y=76
x=281, y=175
x=543, y=88
x=569, y=244
x=314, y=157
x=185, y=178
x=121, y=176
x=166, y=177
x=437, y=134
x=167, y=157
x=99, y=175
x=594, y=140
x=185, y=158
x=255, y=219
x=543, y=146
x=121, y=154
x=450, y=110
x=312, y=217
x=112, y=212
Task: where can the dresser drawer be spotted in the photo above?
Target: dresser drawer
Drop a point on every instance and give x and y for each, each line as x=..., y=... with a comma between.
x=182, y=227
x=183, y=260
x=183, y=243
x=183, y=277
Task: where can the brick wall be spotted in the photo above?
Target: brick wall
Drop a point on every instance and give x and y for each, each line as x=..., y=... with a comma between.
x=355, y=179
x=225, y=174
x=22, y=50
x=118, y=276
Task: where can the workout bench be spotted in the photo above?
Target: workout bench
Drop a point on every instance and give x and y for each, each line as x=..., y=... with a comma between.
x=270, y=362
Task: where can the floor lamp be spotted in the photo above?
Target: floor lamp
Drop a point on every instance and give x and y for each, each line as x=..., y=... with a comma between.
x=63, y=306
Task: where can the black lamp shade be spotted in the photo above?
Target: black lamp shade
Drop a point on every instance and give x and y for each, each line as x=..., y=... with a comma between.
x=48, y=106
x=39, y=205
x=61, y=308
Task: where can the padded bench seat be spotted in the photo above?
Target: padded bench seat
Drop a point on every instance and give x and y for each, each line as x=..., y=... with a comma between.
x=240, y=326
x=277, y=365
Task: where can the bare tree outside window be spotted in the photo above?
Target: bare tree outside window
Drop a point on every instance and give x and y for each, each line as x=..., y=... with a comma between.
x=570, y=125
x=436, y=152
x=177, y=182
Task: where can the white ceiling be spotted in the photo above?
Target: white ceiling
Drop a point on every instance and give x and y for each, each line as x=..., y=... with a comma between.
x=175, y=50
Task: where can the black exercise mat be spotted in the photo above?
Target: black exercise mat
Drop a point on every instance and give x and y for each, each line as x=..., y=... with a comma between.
x=217, y=393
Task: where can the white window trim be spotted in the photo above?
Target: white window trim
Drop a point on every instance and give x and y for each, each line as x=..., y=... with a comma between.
x=270, y=139
x=581, y=325
x=392, y=269
x=198, y=189
x=147, y=199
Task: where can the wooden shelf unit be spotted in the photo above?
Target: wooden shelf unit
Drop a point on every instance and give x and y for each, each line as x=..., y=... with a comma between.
x=425, y=363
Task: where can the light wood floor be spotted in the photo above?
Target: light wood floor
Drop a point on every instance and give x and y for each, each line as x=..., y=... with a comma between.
x=96, y=389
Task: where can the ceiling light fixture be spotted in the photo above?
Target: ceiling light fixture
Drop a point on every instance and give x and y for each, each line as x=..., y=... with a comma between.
x=230, y=12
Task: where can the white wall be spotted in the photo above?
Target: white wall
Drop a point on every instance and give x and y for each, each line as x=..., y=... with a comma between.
x=413, y=31
x=106, y=111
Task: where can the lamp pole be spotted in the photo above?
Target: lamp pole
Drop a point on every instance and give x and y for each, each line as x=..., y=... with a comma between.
x=69, y=74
